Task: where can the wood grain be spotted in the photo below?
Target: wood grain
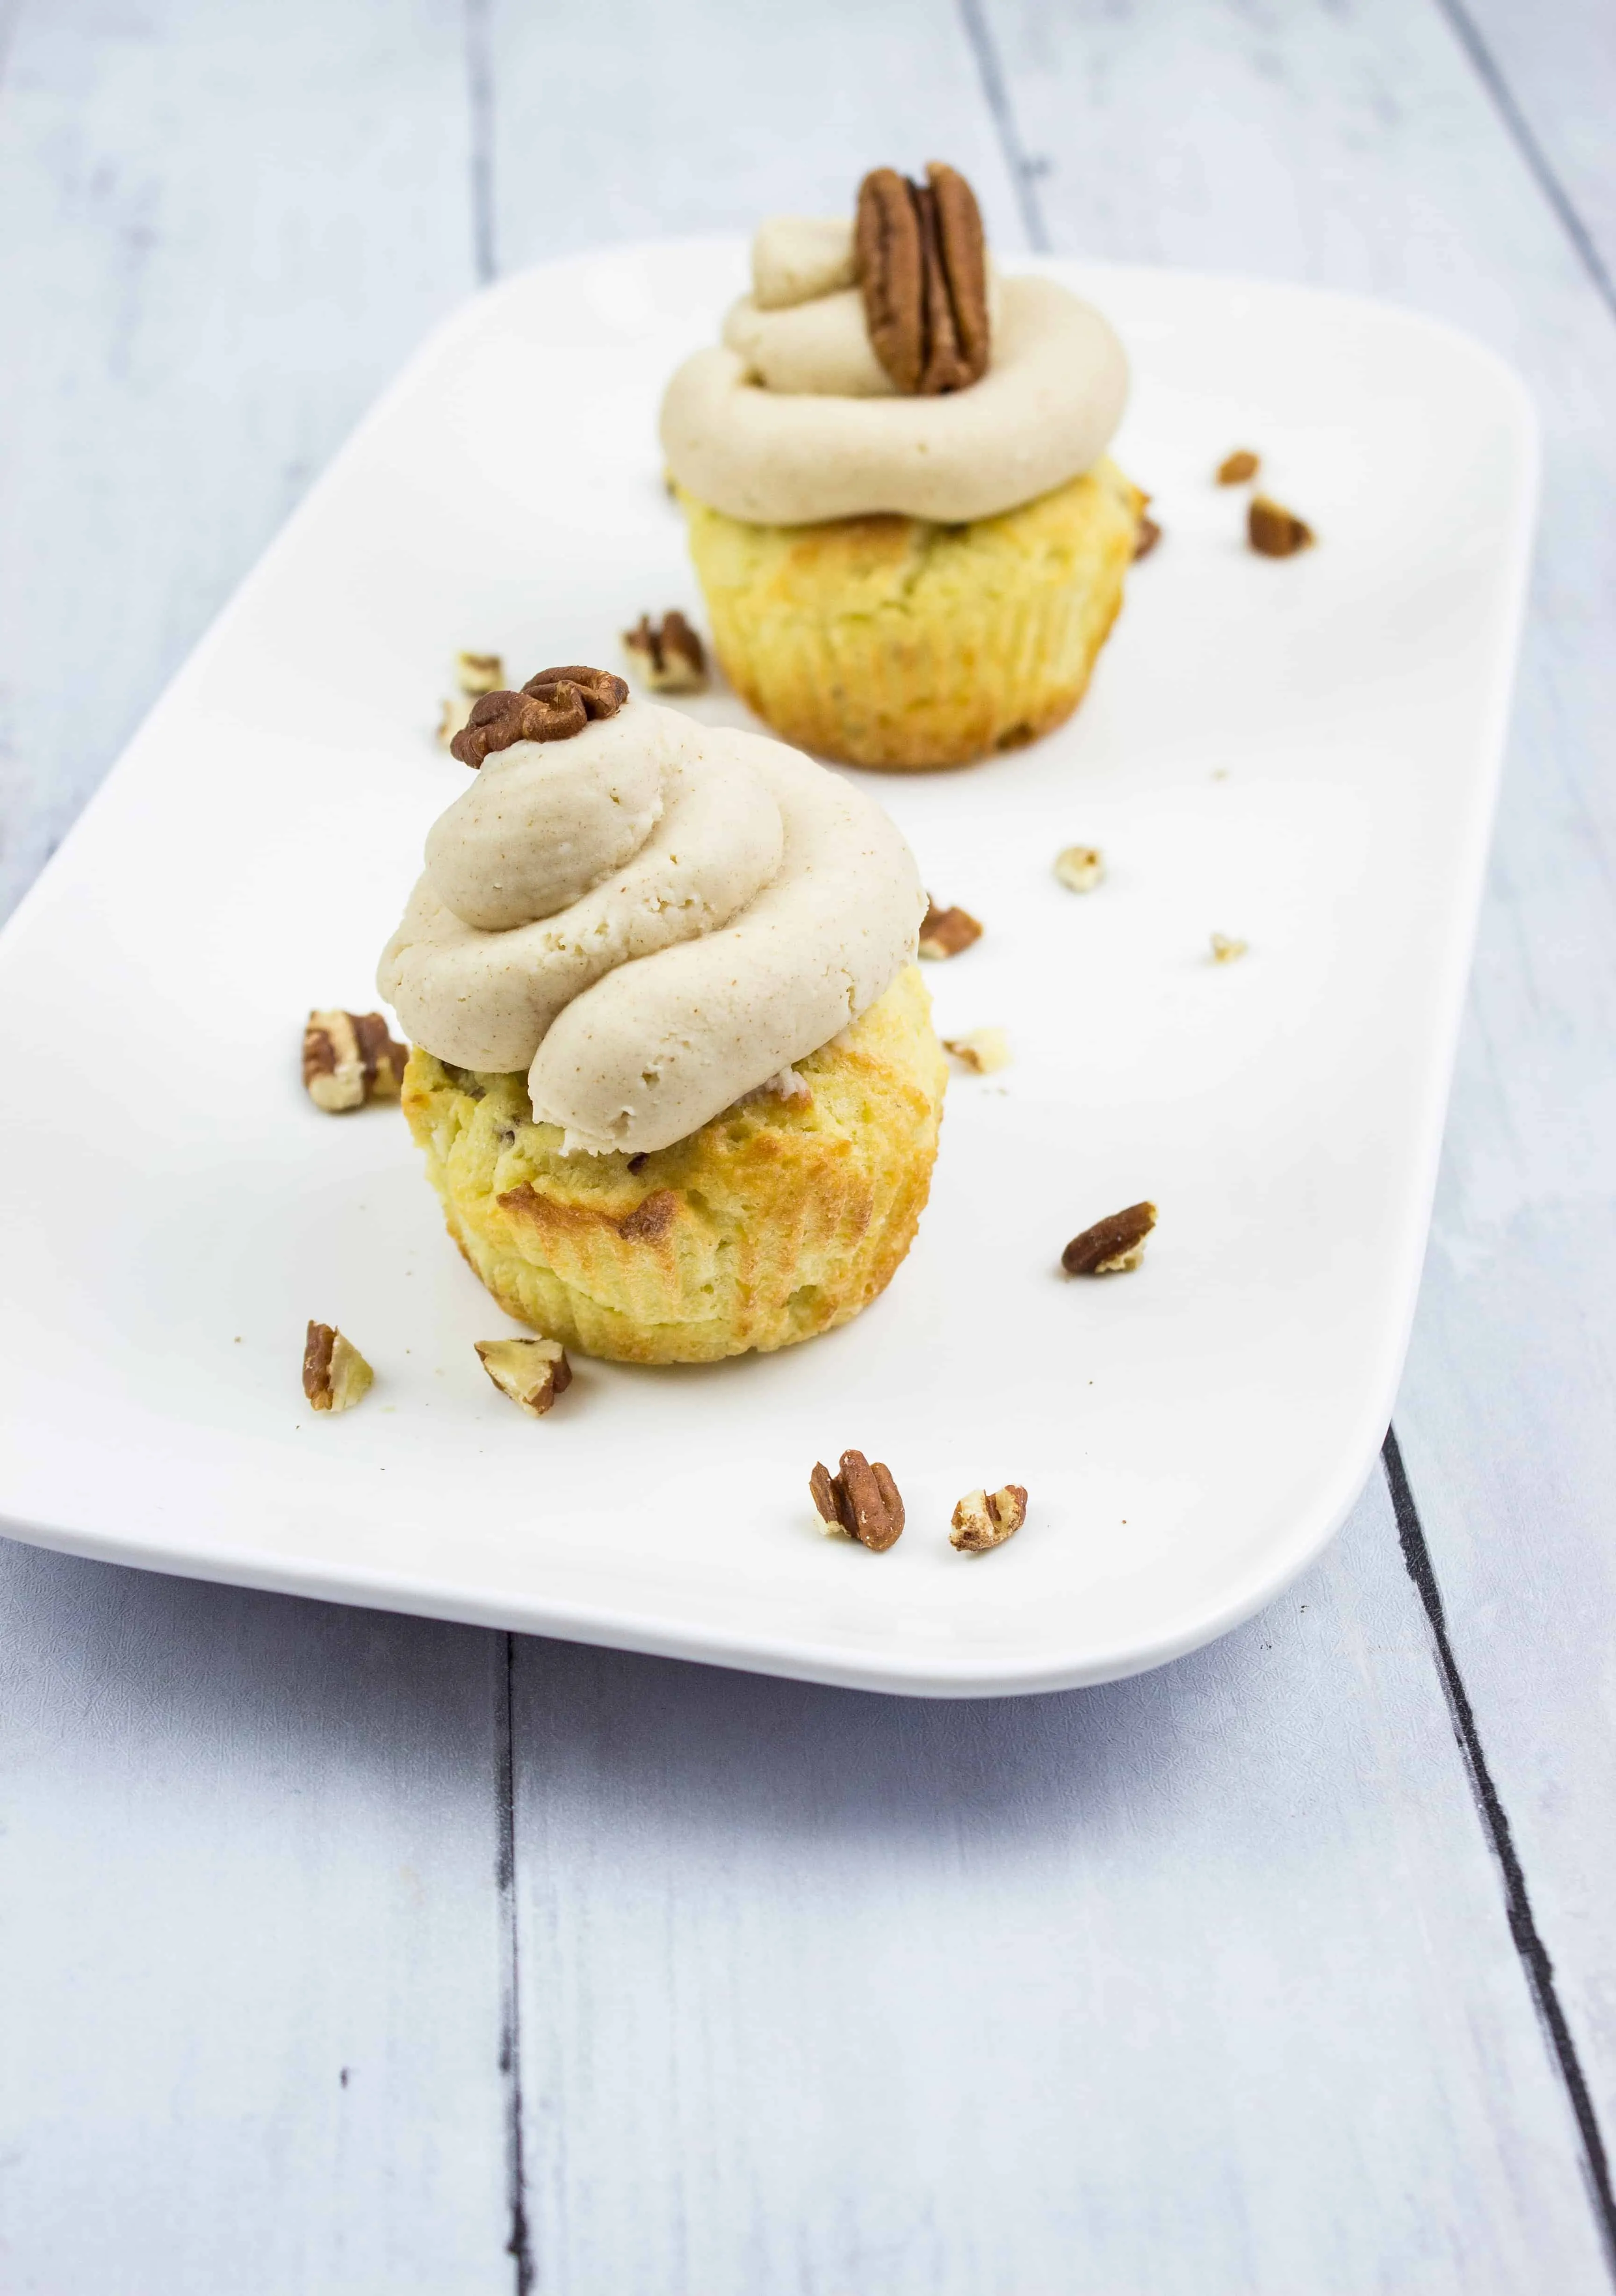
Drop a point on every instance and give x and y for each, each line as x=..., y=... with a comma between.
x=1194, y=1984
x=1361, y=149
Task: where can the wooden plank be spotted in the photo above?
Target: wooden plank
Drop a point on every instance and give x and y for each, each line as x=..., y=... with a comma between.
x=1203, y=1982
x=251, y=1940
x=1551, y=72
x=1360, y=148
x=249, y=1923
x=1198, y=1982
x=224, y=229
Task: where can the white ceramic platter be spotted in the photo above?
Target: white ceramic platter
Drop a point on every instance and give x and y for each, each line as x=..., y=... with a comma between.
x=1300, y=754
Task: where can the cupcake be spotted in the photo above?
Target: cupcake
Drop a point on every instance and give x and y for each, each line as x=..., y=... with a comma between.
x=674, y=1070
x=893, y=471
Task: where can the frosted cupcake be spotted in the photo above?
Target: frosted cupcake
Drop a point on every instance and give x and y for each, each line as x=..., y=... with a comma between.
x=673, y=1068
x=894, y=469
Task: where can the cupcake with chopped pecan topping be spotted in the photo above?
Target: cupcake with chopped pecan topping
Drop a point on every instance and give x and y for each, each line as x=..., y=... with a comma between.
x=674, y=1070
x=894, y=469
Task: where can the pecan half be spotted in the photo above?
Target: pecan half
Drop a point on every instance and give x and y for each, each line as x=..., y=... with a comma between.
x=551, y=707
x=349, y=1058
x=335, y=1375
x=984, y=1519
x=1145, y=539
x=1276, y=532
x=1235, y=469
x=1112, y=1245
x=531, y=1371
x=861, y=1502
x=667, y=655
x=921, y=260
x=944, y=933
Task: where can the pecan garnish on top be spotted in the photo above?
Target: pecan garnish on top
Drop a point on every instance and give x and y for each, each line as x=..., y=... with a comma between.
x=922, y=266
x=551, y=707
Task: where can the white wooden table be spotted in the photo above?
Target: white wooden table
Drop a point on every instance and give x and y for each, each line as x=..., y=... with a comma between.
x=342, y=1952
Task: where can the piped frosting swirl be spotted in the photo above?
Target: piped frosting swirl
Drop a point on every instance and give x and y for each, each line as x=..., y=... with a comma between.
x=796, y=418
x=653, y=918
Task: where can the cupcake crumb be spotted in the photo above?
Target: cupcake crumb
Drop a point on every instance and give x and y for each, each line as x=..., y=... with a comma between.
x=531, y=1371
x=667, y=656
x=984, y=1519
x=1225, y=951
x=1112, y=1245
x=1236, y=469
x=335, y=1375
x=1080, y=867
x=944, y=933
x=1274, y=532
x=982, y=1051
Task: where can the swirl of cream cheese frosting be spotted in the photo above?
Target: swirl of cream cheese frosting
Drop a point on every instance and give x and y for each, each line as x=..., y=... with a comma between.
x=653, y=918
x=793, y=420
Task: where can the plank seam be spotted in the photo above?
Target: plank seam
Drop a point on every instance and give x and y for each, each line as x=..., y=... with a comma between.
x=1025, y=170
x=1483, y=64
x=516, y=2245
x=479, y=96
x=1524, y=1929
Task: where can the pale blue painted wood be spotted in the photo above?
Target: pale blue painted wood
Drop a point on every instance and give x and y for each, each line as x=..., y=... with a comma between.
x=1361, y=148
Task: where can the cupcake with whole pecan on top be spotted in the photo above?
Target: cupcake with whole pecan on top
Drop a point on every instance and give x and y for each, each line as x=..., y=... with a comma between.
x=673, y=1066
x=911, y=540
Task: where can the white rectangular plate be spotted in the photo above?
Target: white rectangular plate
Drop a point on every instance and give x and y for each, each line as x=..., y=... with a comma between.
x=1300, y=754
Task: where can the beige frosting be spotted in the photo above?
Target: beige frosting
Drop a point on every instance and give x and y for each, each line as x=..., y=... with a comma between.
x=777, y=455
x=654, y=919
x=796, y=256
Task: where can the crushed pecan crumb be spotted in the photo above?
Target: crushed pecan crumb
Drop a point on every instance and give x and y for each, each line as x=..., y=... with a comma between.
x=349, y=1058
x=551, y=707
x=1235, y=469
x=984, y=1519
x=1224, y=951
x=982, y=1052
x=1147, y=537
x=474, y=674
x=1080, y=867
x=922, y=261
x=860, y=1502
x=1112, y=1245
x=335, y=1375
x=531, y=1371
x=1276, y=532
x=944, y=933
x=667, y=656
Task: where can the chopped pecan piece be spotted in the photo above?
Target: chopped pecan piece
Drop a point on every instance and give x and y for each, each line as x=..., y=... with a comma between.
x=474, y=674
x=922, y=261
x=861, y=1502
x=984, y=1519
x=349, y=1058
x=1235, y=469
x=1080, y=867
x=1224, y=951
x=667, y=655
x=335, y=1375
x=531, y=1371
x=1276, y=532
x=1147, y=537
x=551, y=707
x=982, y=1052
x=1112, y=1245
x=944, y=933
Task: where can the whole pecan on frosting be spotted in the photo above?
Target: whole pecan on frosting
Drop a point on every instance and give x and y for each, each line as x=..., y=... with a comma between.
x=922, y=266
x=551, y=707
